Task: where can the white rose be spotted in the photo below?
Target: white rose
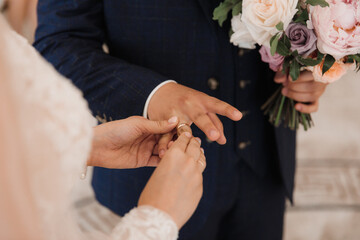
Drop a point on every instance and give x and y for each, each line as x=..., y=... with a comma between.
x=258, y=21
x=241, y=37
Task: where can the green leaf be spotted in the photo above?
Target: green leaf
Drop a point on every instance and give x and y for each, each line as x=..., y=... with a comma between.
x=286, y=65
x=309, y=61
x=321, y=3
x=286, y=40
x=328, y=62
x=320, y=56
x=280, y=26
x=354, y=58
x=282, y=49
x=274, y=41
x=237, y=9
x=302, y=16
x=220, y=13
x=295, y=53
x=294, y=70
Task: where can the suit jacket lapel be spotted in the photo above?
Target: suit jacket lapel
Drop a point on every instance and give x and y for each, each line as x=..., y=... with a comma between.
x=206, y=6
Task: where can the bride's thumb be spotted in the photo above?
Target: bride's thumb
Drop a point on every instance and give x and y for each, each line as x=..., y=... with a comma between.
x=161, y=127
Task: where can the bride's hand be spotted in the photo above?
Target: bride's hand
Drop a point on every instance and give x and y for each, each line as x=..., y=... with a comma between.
x=128, y=143
x=176, y=185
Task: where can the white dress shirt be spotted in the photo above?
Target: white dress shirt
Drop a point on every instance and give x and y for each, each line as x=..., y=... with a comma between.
x=145, y=113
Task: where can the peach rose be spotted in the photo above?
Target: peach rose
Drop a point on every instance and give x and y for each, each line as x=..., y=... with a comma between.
x=257, y=23
x=337, y=27
x=337, y=70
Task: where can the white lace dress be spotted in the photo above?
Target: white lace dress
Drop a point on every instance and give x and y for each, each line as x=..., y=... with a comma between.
x=51, y=126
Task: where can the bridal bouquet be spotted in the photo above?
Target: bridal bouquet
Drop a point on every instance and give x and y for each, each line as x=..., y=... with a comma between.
x=321, y=36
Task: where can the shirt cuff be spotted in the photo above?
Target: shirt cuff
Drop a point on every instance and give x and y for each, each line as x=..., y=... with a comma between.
x=145, y=113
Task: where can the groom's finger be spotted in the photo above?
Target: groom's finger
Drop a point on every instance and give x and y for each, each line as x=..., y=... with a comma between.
x=217, y=106
x=205, y=124
x=219, y=125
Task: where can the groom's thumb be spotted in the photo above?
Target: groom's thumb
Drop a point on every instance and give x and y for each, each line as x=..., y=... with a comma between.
x=160, y=127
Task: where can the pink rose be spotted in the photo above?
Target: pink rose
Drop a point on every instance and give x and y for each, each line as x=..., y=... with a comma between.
x=337, y=70
x=337, y=27
x=275, y=62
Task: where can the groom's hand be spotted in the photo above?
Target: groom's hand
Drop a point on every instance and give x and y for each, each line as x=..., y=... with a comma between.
x=305, y=90
x=190, y=106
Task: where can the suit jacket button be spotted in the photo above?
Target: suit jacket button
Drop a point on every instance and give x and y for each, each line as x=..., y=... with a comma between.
x=241, y=52
x=243, y=83
x=243, y=145
x=213, y=83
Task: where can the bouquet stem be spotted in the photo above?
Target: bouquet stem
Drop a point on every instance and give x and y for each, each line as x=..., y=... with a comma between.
x=281, y=109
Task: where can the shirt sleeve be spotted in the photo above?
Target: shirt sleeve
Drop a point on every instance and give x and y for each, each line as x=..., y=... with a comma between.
x=145, y=113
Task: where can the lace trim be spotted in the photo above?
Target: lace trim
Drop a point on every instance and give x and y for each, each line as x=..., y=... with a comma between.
x=146, y=223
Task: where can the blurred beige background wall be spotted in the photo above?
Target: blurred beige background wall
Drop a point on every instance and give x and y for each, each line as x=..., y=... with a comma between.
x=327, y=195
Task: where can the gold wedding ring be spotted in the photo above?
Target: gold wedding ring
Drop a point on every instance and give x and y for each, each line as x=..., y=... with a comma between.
x=183, y=127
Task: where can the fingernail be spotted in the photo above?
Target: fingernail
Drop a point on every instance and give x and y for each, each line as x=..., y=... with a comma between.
x=199, y=140
x=298, y=107
x=187, y=134
x=237, y=114
x=173, y=120
x=213, y=133
x=203, y=151
x=162, y=152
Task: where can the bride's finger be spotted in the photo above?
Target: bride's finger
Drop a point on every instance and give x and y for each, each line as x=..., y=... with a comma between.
x=182, y=142
x=163, y=143
x=170, y=144
x=157, y=127
x=156, y=150
x=193, y=149
x=153, y=161
x=202, y=162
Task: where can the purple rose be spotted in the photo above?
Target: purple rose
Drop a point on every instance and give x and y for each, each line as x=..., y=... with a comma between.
x=302, y=39
x=275, y=61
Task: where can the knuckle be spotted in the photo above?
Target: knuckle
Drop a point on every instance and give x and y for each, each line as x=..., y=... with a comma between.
x=216, y=102
x=197, y=116
x=195, y=142
x=229, y=109
x=185, y=100
x=159, y=124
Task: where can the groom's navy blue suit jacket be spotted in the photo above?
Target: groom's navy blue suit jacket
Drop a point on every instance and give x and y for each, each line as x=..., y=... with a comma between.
x=151, y=41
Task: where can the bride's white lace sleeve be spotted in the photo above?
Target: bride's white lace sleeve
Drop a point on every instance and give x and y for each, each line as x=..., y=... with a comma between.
x=45, y=139
x=146, y=223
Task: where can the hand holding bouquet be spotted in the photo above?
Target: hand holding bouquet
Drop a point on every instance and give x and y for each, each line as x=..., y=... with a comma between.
x=321, y=36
